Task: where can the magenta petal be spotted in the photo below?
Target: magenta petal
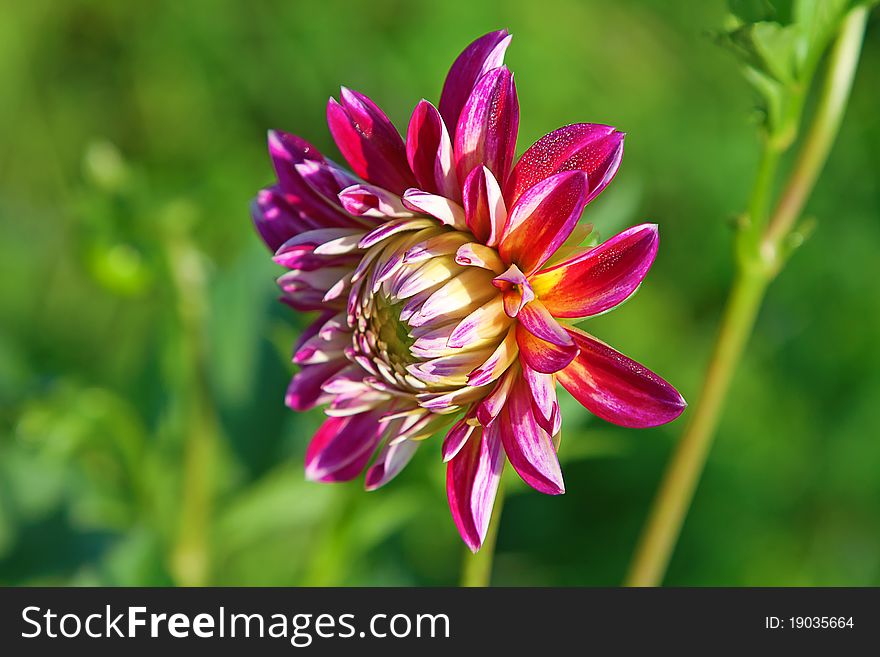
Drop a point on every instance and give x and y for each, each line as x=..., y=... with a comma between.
x=456, y=438
x=617, y=388
x=487, y=127
x=304, y=390
x=601, y=278
x=541, y=355
x=276, y=220
x=476, y=60
x=369, y=142
x=342, y=446
x=543, y=389
x=429, y=152
x=484, y=208
x=542, y=219
x=535, y=318
x=389, y=463
x=471, y=483
x=529, y=448
x=589, y=147
x=290, y=156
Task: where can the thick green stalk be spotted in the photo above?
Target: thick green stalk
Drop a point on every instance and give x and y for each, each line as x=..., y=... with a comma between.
x=758, y=262
x=476, y=569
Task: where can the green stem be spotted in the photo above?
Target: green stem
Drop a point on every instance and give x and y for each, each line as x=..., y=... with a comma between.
x=824, y=129
x=757, y=267
x=190, y=557
x=476, y=569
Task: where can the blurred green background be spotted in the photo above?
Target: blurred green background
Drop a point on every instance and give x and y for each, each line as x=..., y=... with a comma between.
x=143, y=356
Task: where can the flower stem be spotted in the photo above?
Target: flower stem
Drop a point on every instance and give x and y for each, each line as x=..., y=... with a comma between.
x=476, y=569
x=755, y=271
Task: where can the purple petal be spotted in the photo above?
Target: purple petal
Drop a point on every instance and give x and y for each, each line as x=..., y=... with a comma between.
x=291, y=154
x=487, y=127
x=473, y=63
x=593, y=148
x=529, y=448
x=471, y=483
x=617, y=388
x=369, y=142
x=304, y=390
x=342, y=446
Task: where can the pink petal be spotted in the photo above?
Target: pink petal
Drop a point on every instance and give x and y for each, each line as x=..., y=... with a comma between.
x=304, y=390
x=471, y=484
x=371, y=201
x=542, y=220
x=484, y=206
x=342, y=446
x=487, y=127
x=473, y=63
x=369, y=142
x=616, y=388
x=600, y=279
x=429, y=152
x=542, y=355
x=448, y=212
x=593, y=148
x=390, y=462
x=543, y=389
x=456, y=438
x=535, y=318
x=529, y=448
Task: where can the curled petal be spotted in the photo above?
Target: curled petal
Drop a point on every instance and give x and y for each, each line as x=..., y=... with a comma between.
x=617, y=388
x=535, y=318
x=541, y=355
x=589, y=147
x=542, y=220
x=429, y=152
x=342, y=446
x=543, y=388
x=603, y=277
x=471, y=483
x=448, y=212
x=477, y=255
x=484, y=208
x=371, y=201
x=515, y=289
x=368, y=141
x=476, y=60
x=529, y=448
x=487, y=127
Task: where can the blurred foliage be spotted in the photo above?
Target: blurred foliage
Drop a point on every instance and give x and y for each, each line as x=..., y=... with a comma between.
x=143, y=357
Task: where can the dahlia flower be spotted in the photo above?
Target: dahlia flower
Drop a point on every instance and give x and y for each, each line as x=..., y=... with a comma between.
x=445, y=278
